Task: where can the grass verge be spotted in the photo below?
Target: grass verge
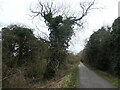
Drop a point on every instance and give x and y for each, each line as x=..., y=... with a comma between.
x=74, y=78
x=69, y=79
x=114, y=80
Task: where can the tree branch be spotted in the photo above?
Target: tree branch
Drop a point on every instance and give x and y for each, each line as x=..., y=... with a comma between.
x=85, y=9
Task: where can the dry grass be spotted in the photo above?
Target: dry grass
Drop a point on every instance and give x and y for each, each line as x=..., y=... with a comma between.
x=54, y=83
x=17, y=80
x=65, y=78
x=62, y=82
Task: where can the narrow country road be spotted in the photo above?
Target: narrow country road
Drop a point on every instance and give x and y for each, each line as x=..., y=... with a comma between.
x=89, y=79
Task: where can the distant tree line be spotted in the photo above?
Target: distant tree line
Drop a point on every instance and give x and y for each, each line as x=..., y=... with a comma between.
x=102, y=51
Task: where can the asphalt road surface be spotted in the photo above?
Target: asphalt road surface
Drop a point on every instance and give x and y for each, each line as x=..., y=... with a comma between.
x=89, y=79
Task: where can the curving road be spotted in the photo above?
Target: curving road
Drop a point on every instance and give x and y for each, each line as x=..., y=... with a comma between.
x=89, y=79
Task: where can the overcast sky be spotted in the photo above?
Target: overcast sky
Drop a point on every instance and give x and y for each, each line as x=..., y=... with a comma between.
x=17, y=12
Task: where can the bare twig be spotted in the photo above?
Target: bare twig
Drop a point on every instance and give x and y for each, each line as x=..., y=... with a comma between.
x=85, y=9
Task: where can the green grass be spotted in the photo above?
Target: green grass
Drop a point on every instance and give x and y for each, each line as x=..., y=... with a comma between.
x=114, y=80
x=74, y=79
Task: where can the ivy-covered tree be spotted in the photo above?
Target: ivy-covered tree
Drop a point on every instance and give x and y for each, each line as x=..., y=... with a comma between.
x=60, y=34
x=60, y=27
